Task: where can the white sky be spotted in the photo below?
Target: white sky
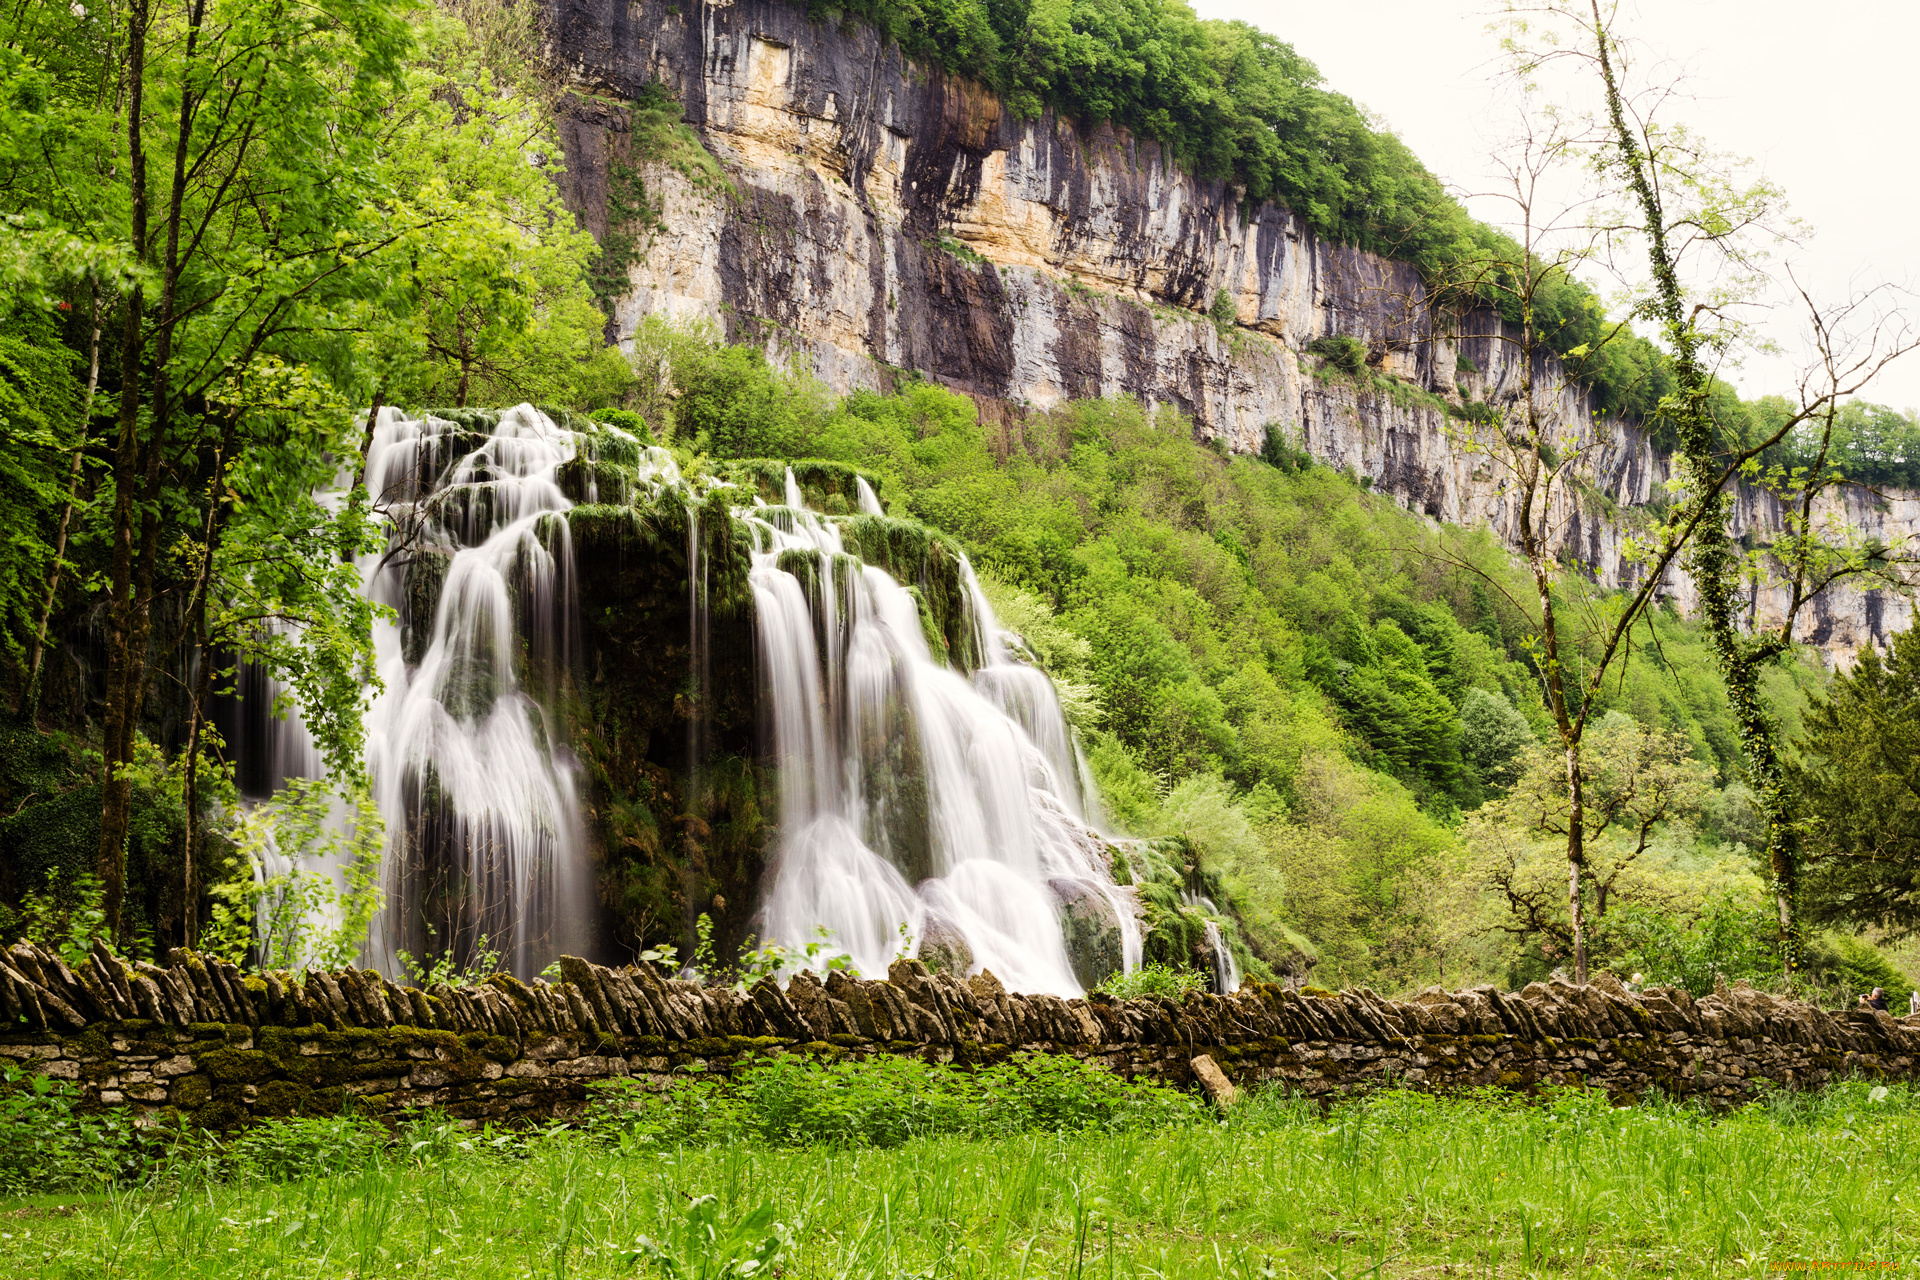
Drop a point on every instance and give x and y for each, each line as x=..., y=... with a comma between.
x=1825, y=100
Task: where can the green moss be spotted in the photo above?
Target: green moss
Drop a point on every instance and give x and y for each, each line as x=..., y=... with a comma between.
x=752, y=1044
x=235, y=1066
x=282, y=1098
x=190, y=1093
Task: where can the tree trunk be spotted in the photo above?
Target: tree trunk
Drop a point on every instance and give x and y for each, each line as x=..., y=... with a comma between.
x=202, y=687
x=1715, y=565
x=202, y=684
x=1576, y=861
x=30, y=702
x=118, y=714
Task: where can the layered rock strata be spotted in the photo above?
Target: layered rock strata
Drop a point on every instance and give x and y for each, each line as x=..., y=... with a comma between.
x=880, y=217
x=199, y=1041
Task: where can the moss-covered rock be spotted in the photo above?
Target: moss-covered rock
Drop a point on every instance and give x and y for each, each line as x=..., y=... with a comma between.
x=235, y=1066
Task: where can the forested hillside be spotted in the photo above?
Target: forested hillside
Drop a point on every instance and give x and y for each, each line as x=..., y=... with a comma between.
x=1306, y=682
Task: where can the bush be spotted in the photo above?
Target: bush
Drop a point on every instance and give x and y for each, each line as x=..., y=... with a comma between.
x=885, y=1101
x=1853, y=967
x=1727, y=937
x=46, y=1144
x=1278, y=453
x=1349, y=355
x=1154, y=979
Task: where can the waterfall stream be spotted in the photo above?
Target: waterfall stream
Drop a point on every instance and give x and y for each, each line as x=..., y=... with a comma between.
x=922, y=812
x=480, y=795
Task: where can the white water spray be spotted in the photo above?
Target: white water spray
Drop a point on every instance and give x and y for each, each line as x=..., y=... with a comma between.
x=480, y=795
x=921, y=812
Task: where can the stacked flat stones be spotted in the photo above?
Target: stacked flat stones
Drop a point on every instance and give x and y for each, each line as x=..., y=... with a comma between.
x=600, y=1021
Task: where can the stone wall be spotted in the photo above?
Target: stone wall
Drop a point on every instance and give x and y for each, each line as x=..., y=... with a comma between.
x=198, y=1041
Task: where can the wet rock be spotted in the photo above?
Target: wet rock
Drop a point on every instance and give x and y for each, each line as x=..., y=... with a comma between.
x=943, y=948
x=1090, y=926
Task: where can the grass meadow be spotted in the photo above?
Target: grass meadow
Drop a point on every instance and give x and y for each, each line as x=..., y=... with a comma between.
x=1397, y=1184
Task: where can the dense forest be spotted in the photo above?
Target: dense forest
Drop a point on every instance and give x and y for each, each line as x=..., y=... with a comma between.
x=233, y=228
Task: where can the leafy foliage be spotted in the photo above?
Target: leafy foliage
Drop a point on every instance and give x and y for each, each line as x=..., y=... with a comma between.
x=48, y=1144
x=1858, y=784
x=311, y=883
x=303, y=1147
x=1298, y=679
x=1152, y=979
x=1871, y=443
x=714, y=1245
x=884, y=1101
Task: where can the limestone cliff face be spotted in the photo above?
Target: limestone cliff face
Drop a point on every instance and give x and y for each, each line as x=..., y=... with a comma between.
x=884, y=217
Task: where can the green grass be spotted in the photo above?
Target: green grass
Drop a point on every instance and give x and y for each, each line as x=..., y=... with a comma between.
x=1398, y=1184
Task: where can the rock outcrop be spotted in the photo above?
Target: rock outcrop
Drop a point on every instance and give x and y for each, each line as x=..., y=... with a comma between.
x=881, y=217
x=199, y=1041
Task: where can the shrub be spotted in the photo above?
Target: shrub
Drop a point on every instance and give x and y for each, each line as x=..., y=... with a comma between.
x=285, y=1150
x=1349, y=355
x=1154, y=979
x=1222, y=312
x=1853, y=966
x=1278, y=453
x=883, y=1102
x=46, y=1144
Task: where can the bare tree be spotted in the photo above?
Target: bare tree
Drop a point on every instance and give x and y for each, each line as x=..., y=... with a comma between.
x=1707, y=234
x=1545, y=446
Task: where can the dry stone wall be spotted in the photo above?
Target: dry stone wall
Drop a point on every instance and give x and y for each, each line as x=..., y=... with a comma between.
x=200, y=1042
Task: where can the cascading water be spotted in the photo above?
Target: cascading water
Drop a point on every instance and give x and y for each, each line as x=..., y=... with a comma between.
x=1226, y=969
x=921, y=812
x=924, y=809
x=469, y=766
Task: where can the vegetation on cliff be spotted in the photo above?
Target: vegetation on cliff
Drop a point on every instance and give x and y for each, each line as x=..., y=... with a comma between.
x=1307, y=685
x=1230, y=101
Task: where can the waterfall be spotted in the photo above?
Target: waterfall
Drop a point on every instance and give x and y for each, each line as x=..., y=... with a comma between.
x=923, y=811
x=930, y=804
x=1226, y=969
x=469, y=765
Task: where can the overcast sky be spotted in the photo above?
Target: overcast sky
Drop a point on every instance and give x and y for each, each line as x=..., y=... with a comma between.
x=1824, y=98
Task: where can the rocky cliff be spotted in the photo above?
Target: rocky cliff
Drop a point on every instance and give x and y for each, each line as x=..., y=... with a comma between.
x=884, y=217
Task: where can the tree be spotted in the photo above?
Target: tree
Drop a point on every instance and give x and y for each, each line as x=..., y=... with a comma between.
x=1545, y=451
x=250, y=239
x=489, y=300
x=1633, y=780
x=1858, y=789
x=270, y=215
x=1705, y=235
x=1492, y=737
